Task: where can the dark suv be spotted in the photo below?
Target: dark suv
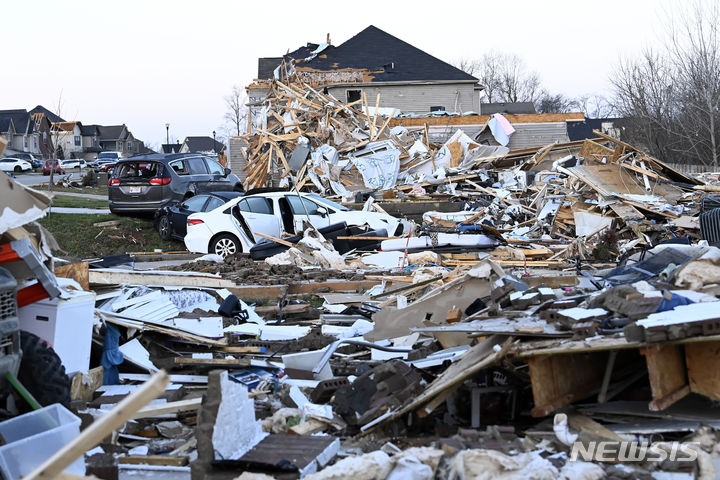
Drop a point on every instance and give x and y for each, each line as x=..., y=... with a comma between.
x=146, y=183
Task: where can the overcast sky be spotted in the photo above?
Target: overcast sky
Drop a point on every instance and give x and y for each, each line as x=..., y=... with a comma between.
x=147, y=63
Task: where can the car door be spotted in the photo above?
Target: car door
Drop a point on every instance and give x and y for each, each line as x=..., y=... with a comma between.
x=257, y=215
x=199, y=174
x=179, y=214
x=304, y=209
x=218, y=180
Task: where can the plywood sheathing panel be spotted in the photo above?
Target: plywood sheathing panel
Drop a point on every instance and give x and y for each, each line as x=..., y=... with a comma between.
x=703, y=368
x=559, y=380
x=667, y=374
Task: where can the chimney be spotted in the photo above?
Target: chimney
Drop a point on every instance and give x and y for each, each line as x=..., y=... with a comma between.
x=328, y=39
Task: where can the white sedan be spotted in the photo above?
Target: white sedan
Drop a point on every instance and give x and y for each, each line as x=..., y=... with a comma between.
x=73, y=163
x=232, y=227
x=16, y=165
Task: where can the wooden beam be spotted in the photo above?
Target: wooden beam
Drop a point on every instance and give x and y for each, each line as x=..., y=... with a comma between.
x=667, y=374
x=219, y=362
x=119, y=277
x=101, y=428
x=274, y=239
x=157, y=460
x=169, y=407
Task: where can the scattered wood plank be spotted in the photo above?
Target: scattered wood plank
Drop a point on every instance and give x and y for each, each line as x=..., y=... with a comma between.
x=169, y=407
x=159, y=460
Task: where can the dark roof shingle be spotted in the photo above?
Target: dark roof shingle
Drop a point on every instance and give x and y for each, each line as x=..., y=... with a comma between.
x=385, y=57
x=51, y=116
x=203, y=144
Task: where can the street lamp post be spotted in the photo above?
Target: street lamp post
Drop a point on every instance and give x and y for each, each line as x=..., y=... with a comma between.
x=214, y=151
x=167, y=133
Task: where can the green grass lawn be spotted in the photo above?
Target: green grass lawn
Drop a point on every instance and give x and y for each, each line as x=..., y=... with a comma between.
x=78, y=202
x=79, y=239
x=101, y=189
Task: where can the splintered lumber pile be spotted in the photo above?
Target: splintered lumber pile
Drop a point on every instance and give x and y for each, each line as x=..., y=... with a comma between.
x=298, y=119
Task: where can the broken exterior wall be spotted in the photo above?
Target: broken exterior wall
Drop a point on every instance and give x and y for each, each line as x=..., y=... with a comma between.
x=414, y=98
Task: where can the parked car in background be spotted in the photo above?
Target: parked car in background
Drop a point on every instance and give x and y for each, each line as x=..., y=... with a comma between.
x=232, y=227
x=74, y=163
x=171, y=221
x=104, y=166
x=53, y=164
x=12, y=164
x=35, y=162
x=146, y=183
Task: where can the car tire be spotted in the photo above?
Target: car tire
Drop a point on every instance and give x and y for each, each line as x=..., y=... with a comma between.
x=17, y=169
x=164, y=228
x=42, y=372
x=225, y=244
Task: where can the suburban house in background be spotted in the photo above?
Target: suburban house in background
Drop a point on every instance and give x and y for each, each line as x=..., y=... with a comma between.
x=118, y=138
x=90, y=141
x=37, y=130
x=202, y=145
x=374, y=62
x=68, y=137
x=22, y=132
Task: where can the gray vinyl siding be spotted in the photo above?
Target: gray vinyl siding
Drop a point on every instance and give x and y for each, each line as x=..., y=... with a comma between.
x=459, y=97
x=236, y=158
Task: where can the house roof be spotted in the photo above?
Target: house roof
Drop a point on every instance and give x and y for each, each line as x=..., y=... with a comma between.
x=583, y=130
x=88, y=130
x=171, y=147
x=380, y=57
x=111, y=132
x=20, y=119
x=203, y=144
x=507, y=108
x=267, y=65
x=51, y=116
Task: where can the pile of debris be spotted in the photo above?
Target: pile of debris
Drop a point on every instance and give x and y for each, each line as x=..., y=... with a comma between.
x=307, y=138
x=556, y=320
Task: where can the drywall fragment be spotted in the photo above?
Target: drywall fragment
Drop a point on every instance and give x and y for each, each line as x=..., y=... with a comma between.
x=236, y=431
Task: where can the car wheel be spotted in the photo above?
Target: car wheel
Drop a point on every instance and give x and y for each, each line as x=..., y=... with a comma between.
x=17, y=169
x=164, y=227
x=225, y=245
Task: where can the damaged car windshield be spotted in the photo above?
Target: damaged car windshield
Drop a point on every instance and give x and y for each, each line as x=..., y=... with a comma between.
x=328, y=202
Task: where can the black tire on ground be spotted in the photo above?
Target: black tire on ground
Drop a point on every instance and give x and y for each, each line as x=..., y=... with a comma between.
x=17, y=169
x=163, y=227
x=42, y=372
x=225, y=244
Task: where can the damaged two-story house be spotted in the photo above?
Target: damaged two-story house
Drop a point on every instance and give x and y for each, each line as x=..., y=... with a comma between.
x=374, y=62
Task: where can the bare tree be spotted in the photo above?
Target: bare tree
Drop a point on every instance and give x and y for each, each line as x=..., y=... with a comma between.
x=595, y=106
x=558, y=103
x=467, y=65
x=237, y=112
x=673, y=96
x=505, y=78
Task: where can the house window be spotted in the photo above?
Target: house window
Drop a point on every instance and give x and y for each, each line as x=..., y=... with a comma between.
x=353, y=95
x=129, y=146
x=439, y=108
x=77, y=140
x=25, y=143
